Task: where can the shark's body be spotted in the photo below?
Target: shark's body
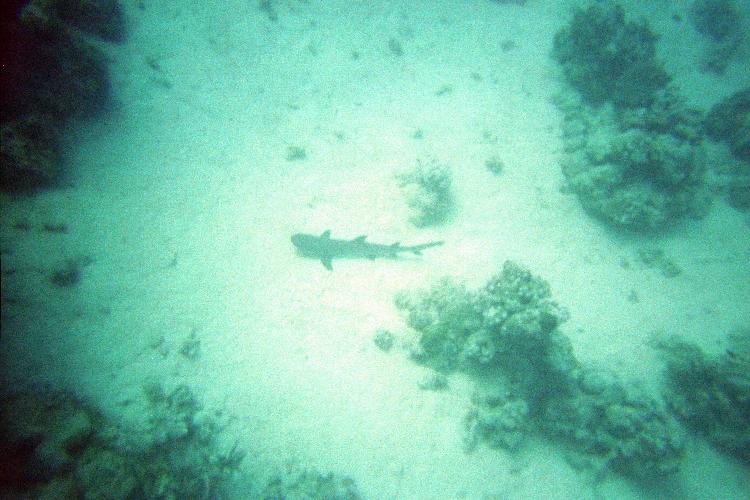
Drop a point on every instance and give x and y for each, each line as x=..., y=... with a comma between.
x=325, y=248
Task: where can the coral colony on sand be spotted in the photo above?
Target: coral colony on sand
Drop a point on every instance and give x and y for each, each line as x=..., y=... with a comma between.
x=712, y=394
x=633, y=152
x=428, y=193
x=527, y=380
x=505, y=336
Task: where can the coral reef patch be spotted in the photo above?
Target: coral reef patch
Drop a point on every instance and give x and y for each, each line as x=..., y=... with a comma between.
x=609, y=59
x=505, y=335
x=428, y=192
x=51, y=74
x=56, y=446
x=639, y=169
x=711, y=394
x=633, y=148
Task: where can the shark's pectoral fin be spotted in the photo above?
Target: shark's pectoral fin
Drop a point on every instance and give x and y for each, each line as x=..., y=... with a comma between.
x=327, y=263
x=326, y=234
x=371, y=256
x=417, y=251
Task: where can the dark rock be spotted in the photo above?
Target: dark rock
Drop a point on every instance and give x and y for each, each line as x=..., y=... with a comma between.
x=66, y=278
x=102, y=18
x=29, y=153
x=50, y=75
x=739, y=194
x=717, y=19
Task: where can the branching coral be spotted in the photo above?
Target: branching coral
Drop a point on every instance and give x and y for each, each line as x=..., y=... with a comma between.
x=300, y=484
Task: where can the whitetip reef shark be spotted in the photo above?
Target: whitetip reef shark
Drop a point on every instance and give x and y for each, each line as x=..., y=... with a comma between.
x=326, y=249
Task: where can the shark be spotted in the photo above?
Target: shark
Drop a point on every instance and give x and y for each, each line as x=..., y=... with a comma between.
x=326, y=249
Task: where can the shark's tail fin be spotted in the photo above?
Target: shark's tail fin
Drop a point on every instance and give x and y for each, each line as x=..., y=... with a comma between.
x=417, y=249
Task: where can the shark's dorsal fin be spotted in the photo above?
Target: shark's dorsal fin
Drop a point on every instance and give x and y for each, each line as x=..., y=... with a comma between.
x=359, y=239
x=327, y=263
x=395, y=245
x=326, y=234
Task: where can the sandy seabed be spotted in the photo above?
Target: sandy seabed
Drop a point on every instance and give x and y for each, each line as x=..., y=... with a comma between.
x=185, y=199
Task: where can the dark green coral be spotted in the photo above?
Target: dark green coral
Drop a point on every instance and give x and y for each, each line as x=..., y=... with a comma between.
x=712, y=394
x=609, y=59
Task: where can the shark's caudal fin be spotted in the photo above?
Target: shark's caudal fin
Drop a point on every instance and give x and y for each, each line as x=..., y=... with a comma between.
x=417, y=249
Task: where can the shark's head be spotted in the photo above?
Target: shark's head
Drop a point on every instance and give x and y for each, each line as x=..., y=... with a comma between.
x=302, y=240
x=306, y=244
